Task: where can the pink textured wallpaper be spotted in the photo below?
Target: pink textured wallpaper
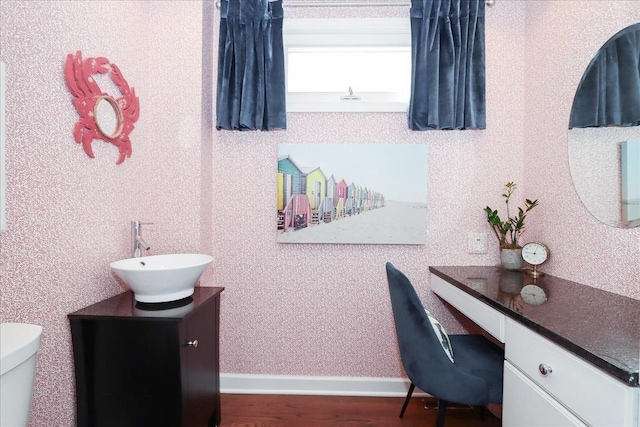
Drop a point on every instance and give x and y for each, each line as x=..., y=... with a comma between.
x=562, y=38
x=68, y=215
x=287, y=309
x=324, y=310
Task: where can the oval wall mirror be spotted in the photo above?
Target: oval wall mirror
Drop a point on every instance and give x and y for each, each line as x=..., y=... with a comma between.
x=108, y=116
x=604, y=132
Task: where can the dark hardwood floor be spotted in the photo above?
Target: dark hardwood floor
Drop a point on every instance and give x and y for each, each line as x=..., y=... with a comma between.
x=338, y=411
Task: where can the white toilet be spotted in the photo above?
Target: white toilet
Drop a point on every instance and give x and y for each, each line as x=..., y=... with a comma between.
x=19, y=344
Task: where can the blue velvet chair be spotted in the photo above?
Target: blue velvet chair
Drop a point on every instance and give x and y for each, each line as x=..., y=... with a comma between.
x=475, y=375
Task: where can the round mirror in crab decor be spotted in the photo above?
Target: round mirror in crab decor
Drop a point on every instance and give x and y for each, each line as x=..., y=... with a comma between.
x=604, y=132
x=102, y=115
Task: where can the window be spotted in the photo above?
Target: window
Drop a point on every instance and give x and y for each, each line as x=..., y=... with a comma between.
x=347, y=65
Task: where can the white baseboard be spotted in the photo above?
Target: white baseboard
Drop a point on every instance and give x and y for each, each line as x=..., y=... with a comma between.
x=327, y=386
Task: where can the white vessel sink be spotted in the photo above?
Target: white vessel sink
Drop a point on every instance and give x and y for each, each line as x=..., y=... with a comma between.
x=162, y=278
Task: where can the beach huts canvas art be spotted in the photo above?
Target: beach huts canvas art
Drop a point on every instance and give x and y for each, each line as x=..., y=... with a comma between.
x=352, y=193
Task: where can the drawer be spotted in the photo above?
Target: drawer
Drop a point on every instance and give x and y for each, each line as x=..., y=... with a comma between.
x=483, y=315
x=590, y=393
x=527, y=405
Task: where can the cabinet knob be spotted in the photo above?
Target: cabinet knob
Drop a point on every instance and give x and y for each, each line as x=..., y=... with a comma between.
x=194, y=344
x=545, y=370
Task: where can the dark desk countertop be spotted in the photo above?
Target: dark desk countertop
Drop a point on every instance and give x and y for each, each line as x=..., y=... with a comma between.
x=600, y=327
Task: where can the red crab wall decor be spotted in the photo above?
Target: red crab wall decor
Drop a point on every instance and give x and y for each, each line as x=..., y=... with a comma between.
x=88, y=95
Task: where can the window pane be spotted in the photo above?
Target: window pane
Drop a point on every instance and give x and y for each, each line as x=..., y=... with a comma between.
x=326, y=57
x=335, y=69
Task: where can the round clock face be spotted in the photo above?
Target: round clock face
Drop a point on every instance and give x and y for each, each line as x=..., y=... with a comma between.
x=533, y=294
x=535, y=253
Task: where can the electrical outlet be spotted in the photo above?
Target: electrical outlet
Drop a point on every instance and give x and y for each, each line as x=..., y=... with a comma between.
x=478, y=284
x=477, y=243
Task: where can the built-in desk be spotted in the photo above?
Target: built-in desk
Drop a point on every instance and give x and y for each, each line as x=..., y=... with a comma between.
x=572, y=355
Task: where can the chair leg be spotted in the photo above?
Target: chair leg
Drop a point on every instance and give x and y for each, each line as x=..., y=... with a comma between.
x=442, y=408
x=406, y=400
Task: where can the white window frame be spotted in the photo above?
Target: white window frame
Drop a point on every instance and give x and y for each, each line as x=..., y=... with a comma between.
x=353, y=32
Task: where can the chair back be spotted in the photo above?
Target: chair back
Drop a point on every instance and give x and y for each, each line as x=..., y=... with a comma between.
x=422, y=355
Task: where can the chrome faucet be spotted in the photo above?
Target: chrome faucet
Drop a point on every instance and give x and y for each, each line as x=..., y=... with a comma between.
x=138, y=243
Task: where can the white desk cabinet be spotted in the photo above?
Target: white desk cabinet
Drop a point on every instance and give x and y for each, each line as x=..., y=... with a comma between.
x=527, y=405
x=571, y=361
x=484, y=316
x=568, y=381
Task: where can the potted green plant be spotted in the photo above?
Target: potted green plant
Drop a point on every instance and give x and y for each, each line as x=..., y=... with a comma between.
x=509, y=230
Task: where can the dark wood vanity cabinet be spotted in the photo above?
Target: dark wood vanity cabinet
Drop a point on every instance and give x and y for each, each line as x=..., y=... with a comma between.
x=152, y=365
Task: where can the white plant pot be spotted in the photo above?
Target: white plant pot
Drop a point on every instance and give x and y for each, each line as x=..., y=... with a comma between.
x=511, y=259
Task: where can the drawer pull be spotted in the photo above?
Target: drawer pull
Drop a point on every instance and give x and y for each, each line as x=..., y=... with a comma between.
x=194, y=344
x=545, y=370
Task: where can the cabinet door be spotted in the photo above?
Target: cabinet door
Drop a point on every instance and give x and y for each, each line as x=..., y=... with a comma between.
x=527, y=405
x=590, y=393
x=127, y=373
x=201, y=374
